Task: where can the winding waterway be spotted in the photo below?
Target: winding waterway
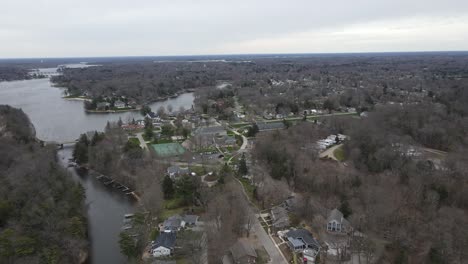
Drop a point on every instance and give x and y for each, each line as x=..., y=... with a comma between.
x=61, y=120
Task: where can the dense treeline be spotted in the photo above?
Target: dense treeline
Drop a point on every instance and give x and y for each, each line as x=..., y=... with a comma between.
x=13, y=73
x=143, y=82
x=42, y=218
x=415, y=203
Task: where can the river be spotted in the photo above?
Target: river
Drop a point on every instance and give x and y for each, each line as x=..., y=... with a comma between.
x=61, y=120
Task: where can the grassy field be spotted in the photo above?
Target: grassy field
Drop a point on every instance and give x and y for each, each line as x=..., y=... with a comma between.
x=171, y=207
x=339, y=154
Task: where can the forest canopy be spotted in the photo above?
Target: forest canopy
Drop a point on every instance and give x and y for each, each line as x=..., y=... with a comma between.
x=42, y=218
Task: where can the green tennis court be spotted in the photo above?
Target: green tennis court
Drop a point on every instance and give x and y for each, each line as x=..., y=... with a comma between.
x=168, y=149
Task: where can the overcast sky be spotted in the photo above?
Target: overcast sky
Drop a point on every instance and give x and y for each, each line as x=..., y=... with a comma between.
x=66, y=28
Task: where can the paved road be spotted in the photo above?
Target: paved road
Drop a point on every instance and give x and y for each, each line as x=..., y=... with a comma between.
x=276, y=256
x=142, y=141
x=435, y=151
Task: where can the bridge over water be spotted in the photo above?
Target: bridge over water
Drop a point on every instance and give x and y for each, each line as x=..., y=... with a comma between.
x=60, y=144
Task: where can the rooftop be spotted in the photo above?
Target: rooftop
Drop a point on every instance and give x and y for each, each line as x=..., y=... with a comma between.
x=166, y=240
x=304, y=235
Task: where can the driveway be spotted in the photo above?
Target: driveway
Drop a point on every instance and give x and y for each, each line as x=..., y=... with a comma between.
x=329, y=153
x=244, y=140
x=142, y=141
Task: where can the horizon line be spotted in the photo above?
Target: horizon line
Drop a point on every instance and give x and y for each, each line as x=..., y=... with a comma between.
x=236, y=54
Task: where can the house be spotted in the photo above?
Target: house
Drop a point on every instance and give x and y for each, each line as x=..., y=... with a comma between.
x=242, y=252
x=279, y=217
x=163, y=245
x=102, y=105
x=211, y=131
x=153, y=117
x=230, y=141
x=119, y=104
x=175, y=171
x=336, y=222
x=291, y=203
x=301, y=239
x=173, y=224
x=226, y=141
x=190, y=220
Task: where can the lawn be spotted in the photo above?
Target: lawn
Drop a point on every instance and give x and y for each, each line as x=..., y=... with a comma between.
x=339, y=154
x=249, y=188
x=263, y=257
x=171, y=207
x=199, y=170
x=134, y=141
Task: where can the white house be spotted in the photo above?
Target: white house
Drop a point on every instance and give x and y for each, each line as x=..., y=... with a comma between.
x=119, y=104
x=163, y=245
x=161, y=252
x=336, y=223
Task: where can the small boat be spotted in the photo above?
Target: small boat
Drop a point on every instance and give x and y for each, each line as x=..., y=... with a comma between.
x=109, y=182
x=72, y=164
x=127, y=216
x=127, y=227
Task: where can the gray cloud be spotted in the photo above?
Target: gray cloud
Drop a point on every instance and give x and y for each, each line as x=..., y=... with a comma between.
x=162, y=27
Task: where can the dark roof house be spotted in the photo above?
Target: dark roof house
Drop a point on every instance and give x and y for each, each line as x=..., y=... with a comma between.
x=280, y=217
x=300, y=239
x=173, y=223
x=164, y=244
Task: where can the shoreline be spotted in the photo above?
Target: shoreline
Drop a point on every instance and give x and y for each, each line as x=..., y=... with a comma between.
x=110, y=111
x=77, y=99
x=160, y=99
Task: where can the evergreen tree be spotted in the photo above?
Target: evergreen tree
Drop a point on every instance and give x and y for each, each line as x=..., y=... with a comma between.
x=345, y=209
x=253, y=130
x=145, y=110
x=80, y=153
x=149, y=133
x=243, y=170
x=128, y=246
x=168, y=187
x=186, y=189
